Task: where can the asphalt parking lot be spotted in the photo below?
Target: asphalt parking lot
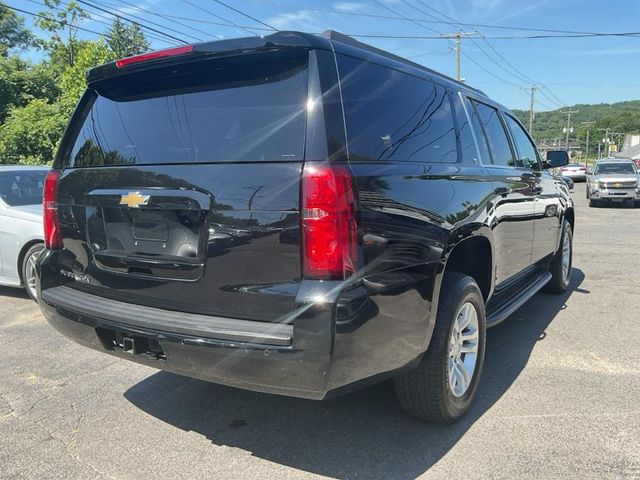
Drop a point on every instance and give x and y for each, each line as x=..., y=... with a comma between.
x=560, y=398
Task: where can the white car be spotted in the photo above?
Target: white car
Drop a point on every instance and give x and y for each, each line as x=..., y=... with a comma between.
x=575, y=171
x=21, y=231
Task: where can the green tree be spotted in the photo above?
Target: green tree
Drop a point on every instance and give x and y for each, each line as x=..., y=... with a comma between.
x=21, y=82
x=73, y=79
x=31, y=133
x=13, y=34
x=62, y=21
x=125, y=40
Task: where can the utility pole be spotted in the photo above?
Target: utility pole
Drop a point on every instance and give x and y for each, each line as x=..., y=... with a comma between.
x=458, y=56
x=589, y=125
x=605, y=140
x=567, y=129
x=458, y=36
x=532, y=89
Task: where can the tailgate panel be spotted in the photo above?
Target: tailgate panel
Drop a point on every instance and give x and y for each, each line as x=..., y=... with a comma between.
x=215, y=239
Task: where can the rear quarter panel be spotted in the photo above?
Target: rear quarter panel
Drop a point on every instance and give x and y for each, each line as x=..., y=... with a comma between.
x=412, y=214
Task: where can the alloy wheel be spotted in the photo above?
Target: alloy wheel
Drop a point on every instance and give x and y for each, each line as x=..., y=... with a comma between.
x=463, y=350
x=566, y=257
x=30, y=274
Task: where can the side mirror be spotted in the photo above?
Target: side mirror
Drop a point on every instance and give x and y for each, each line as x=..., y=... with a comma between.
x=589, y=171
x=556, y=158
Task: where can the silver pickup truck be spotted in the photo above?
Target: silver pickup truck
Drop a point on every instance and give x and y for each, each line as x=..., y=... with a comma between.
x=613, y=179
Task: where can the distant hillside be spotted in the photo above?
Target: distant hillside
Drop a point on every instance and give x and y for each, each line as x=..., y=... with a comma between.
x=619, y=117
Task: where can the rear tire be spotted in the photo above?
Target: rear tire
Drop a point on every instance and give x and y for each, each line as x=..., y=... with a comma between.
x=28, y=270
x=442, y=387
x=562, y=263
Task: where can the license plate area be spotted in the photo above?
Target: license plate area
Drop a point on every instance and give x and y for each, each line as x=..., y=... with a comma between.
x=152, y=231
x=164, y=239
x=171, y=234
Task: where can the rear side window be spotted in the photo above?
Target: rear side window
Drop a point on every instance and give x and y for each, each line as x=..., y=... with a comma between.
x=468, y=150
x=243, y=108
x=526, y=150
x=496, y=136
x=485, y=154
x=391, y=115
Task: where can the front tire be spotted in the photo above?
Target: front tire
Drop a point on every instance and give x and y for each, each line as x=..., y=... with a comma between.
x=562, y=262
x=442, y=387
x=28, y=270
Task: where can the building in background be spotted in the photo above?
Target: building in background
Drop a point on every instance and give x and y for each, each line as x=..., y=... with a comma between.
x=630, y=147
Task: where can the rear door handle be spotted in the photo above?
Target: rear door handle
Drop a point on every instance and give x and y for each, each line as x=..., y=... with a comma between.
x=502, y=190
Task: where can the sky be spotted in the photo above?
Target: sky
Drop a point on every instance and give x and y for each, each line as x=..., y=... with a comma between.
x=567, y=71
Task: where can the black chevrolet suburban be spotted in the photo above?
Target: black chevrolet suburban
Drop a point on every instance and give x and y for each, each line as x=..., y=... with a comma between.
x=298, y=214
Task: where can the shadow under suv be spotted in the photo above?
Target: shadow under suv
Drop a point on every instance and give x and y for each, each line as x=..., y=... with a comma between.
x=301, y=215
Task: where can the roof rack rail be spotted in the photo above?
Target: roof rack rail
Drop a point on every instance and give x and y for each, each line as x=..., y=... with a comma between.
x=346, y=39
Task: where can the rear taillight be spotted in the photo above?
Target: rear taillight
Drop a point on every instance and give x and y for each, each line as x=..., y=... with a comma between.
x=52, y=238
x=169, y=52
x=328, y=223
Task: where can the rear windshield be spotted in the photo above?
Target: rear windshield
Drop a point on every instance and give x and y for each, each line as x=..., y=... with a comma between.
x=616, y=168
x=22, y=187
x=235, y=109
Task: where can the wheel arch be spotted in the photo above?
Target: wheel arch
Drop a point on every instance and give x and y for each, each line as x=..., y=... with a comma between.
x=474, y=256
x=570, y=216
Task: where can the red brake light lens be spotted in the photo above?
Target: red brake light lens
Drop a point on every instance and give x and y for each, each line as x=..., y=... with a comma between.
x=169, y=52
x=328, y=223
x=52, y=237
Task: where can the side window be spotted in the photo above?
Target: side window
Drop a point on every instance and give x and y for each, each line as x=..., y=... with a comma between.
x=468, y=151
x=501, y=153
x=481, y=138
x=391, y=115
x=526, y=149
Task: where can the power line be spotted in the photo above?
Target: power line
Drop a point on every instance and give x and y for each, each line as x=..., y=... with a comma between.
x=245, y=14
x=514, y=37
x=164, y=17
x=103, y=16
x=511, y=70
x=542, y=104
x=552, y=94
x=421, y=20
x=442, y=36
x=517, y=73
x=469, y=35
x=64, y=23
x=60, y=22
x=85, y=2
x=210, y=22
x=229, y=22
x=404, y=18
x=40, y=4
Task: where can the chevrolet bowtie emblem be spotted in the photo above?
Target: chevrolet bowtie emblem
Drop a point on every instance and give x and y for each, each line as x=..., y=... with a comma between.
x=134, y=199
